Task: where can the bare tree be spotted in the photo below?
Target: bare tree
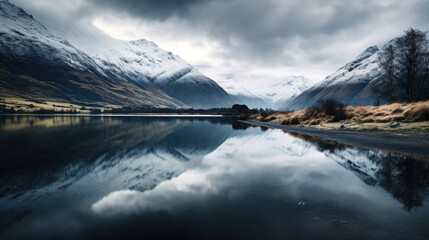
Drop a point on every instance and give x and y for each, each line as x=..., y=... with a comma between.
x=413, y=64
x=388, y=79
x=404, y=66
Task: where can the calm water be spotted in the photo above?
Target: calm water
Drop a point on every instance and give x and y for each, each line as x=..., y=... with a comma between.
x=183, y=178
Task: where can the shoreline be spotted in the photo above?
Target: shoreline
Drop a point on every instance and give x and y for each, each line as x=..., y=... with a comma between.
x=400, y=142
x=121, y=115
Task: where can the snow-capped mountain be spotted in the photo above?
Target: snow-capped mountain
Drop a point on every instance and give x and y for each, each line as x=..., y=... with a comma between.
x=275, y=96
x=41, y=64
x=142, y=61
x=351, y=84
x=282, y=93
x=242, y=95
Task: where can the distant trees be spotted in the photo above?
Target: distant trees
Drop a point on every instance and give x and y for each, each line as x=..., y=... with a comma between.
x=404, y=66
x=328, y=107
x=240, y=108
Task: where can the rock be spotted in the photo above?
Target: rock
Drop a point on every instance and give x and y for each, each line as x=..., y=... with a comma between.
x=394, y=124
x=342, y=126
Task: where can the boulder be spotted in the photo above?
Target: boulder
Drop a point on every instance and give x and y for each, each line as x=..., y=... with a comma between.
x=394, y=124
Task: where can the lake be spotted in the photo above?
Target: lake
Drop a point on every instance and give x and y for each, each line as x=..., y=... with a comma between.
x=133, y=177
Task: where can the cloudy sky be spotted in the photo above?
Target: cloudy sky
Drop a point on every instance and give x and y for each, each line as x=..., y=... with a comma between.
x=252, y=41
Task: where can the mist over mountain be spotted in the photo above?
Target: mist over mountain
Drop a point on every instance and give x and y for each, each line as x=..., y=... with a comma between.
x=273, y=95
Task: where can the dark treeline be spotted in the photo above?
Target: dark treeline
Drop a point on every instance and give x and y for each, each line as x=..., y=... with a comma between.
x=404, y=66
x=236, y=109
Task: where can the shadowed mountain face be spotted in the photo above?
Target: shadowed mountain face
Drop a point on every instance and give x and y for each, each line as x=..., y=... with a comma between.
x=37, y=64
x=352, y=84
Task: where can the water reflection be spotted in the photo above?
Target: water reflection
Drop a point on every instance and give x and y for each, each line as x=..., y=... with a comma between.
x=46, y=148
x=83, y=177
x=404, y=177
x=42, y=155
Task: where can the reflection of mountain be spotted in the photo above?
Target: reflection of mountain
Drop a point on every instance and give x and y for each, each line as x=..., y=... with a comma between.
x=46, y=154
x=266, y=181
x=405, y=178
x=85, y=139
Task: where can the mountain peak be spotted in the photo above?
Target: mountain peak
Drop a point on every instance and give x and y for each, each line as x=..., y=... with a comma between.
x=144, y=42
x=372, y=49
x=119, y=72
x=349, y=84
x=366, y=54
x=12, y=11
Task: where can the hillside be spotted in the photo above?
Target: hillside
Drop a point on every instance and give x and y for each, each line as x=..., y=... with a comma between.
x=352, y=84
x=38, y=64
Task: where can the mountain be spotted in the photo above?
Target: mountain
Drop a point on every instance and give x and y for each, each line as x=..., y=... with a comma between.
x=242, y=95
x=282, y=93
x=352, y=84
x=143, y=62
x=37, y=63
x=274, y=96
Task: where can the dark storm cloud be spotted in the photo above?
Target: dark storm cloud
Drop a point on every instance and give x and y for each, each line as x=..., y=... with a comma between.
x=255, y=29
x=265, y=29
x=292, y=33
x=156, y=9
x=423, y=12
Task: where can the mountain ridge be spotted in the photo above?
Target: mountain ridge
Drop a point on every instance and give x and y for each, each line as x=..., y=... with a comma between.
x=37, y=64
x=275, y=96
x=352, y=84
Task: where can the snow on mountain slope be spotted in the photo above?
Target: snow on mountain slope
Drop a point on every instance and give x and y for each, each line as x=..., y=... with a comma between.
x=136, y=72
x=242, y=95
x=37, y=64
x=351, y=84
x=24, y=37
x=139, y=60
x=143, y=61
x=361, y=66
x=282, y=93
x=275, y=96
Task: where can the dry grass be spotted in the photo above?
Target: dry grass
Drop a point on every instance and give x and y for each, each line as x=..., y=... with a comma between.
x=35, y=105
x=412, y=112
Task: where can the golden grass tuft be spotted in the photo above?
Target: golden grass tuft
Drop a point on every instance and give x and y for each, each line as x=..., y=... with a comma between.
x=413, y=112
x=418, y=112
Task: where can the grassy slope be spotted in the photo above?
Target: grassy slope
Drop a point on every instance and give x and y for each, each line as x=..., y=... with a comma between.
x=71, y=87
